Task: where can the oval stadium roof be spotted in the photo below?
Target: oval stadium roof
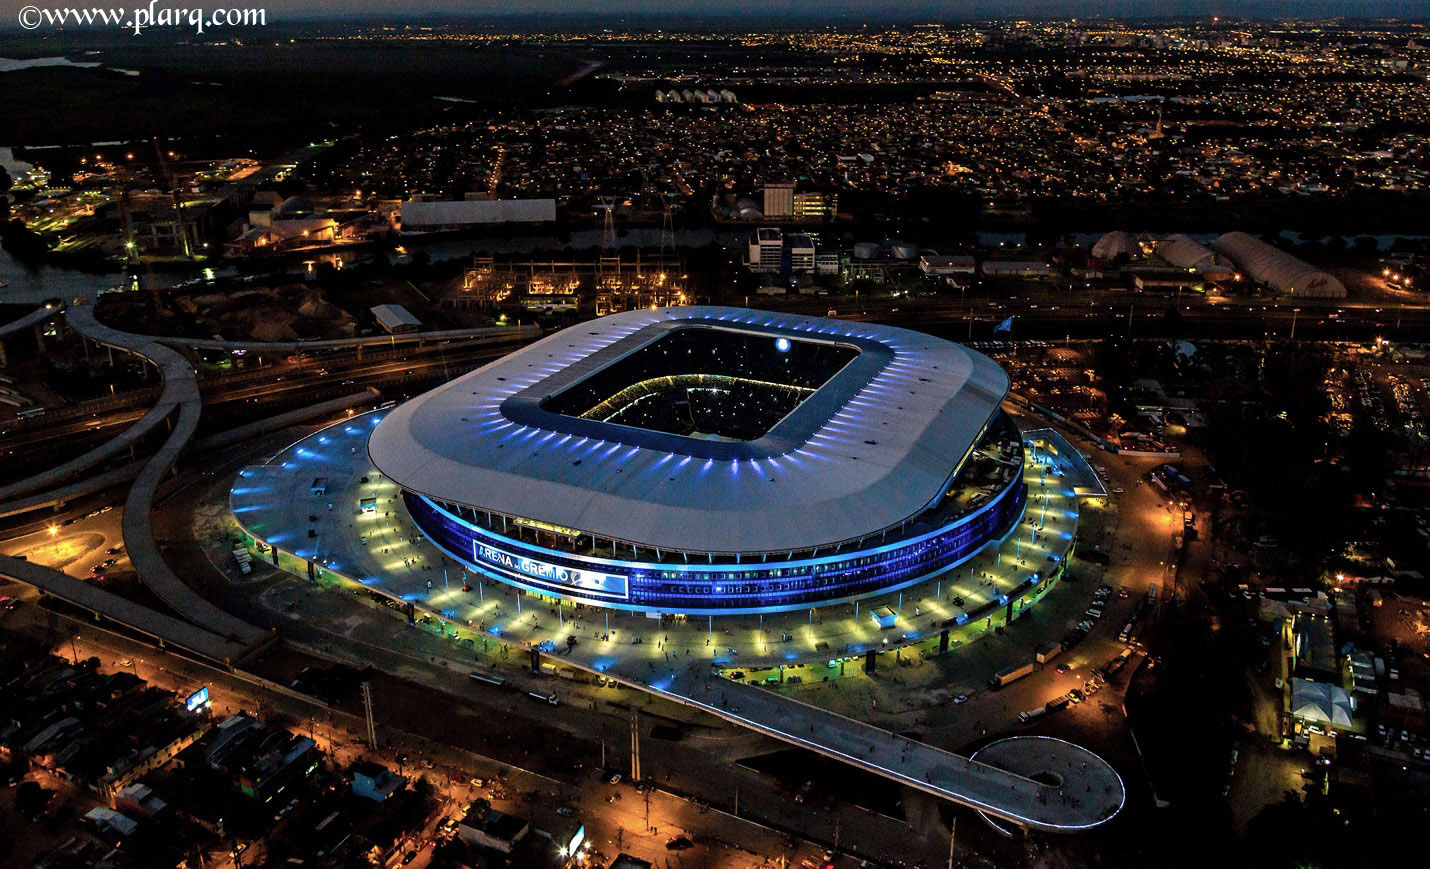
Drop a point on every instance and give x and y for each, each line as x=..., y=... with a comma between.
x=873, y=447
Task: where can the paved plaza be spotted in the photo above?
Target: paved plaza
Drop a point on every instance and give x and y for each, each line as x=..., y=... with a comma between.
x=330, y=515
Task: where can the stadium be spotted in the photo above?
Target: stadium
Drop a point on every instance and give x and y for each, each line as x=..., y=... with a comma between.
x=710, y=461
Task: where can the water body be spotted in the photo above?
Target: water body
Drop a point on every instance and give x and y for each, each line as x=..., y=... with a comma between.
x=1087, y=239
x=12, y=164
x=581, y=240
x=30, y=283
x=10, y=64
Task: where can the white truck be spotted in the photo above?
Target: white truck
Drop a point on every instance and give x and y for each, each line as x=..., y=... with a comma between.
x=1049, y=651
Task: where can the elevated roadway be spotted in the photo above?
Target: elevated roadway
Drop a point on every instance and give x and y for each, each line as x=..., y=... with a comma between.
x=181, y=393
x=492, y=334
x=1050, y=785
x=124, y=473
x=164, y=629
x=34, y=318
x=180, y=385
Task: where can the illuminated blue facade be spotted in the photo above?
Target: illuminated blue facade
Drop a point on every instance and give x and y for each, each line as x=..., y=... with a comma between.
x=755, y=585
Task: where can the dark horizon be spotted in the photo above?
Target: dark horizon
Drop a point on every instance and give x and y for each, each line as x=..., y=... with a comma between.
x=727, y=13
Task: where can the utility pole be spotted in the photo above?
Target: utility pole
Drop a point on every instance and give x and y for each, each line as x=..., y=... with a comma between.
x=367, y=707
x=952, y=835
x=635, y=746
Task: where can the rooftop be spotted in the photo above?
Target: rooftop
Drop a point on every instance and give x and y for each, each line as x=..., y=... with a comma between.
x=873, y=446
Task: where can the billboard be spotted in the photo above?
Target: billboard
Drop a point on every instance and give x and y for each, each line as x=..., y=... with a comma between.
x=197, y=699
x=551, y=575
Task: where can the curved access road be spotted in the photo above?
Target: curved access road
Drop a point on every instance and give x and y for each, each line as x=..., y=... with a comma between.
x=181, y=392
x=39, y=315
x=180, y=383
x=491, y=334
x=166, y=629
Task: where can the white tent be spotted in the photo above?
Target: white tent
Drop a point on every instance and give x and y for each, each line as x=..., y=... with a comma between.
x=1115, y=243
x=1318, y=701
x=1278, y=269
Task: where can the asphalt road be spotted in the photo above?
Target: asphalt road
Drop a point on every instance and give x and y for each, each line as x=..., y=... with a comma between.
x=247, y=396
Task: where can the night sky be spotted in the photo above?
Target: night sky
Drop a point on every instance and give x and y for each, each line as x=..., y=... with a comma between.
x=848, y=10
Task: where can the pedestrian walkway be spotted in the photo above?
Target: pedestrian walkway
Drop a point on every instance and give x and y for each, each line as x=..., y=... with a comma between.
x=321, y=503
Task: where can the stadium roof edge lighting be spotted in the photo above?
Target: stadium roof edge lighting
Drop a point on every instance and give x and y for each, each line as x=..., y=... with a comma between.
x=868, y=449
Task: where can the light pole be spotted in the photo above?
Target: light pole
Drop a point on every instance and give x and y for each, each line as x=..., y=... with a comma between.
x=952, y=836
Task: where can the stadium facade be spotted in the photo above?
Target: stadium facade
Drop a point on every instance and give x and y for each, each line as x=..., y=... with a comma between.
x=709, y=461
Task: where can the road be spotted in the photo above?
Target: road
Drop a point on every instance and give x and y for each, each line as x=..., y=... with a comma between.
x=642, y=823
x=44, y=437
x=1159, y=536
x=1042, y=312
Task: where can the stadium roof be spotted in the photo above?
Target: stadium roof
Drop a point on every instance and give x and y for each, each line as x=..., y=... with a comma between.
x=872, y=448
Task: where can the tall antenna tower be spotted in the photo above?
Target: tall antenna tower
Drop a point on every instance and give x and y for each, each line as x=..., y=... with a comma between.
x=608, y=227
x=367, y=707
x=667, y=234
